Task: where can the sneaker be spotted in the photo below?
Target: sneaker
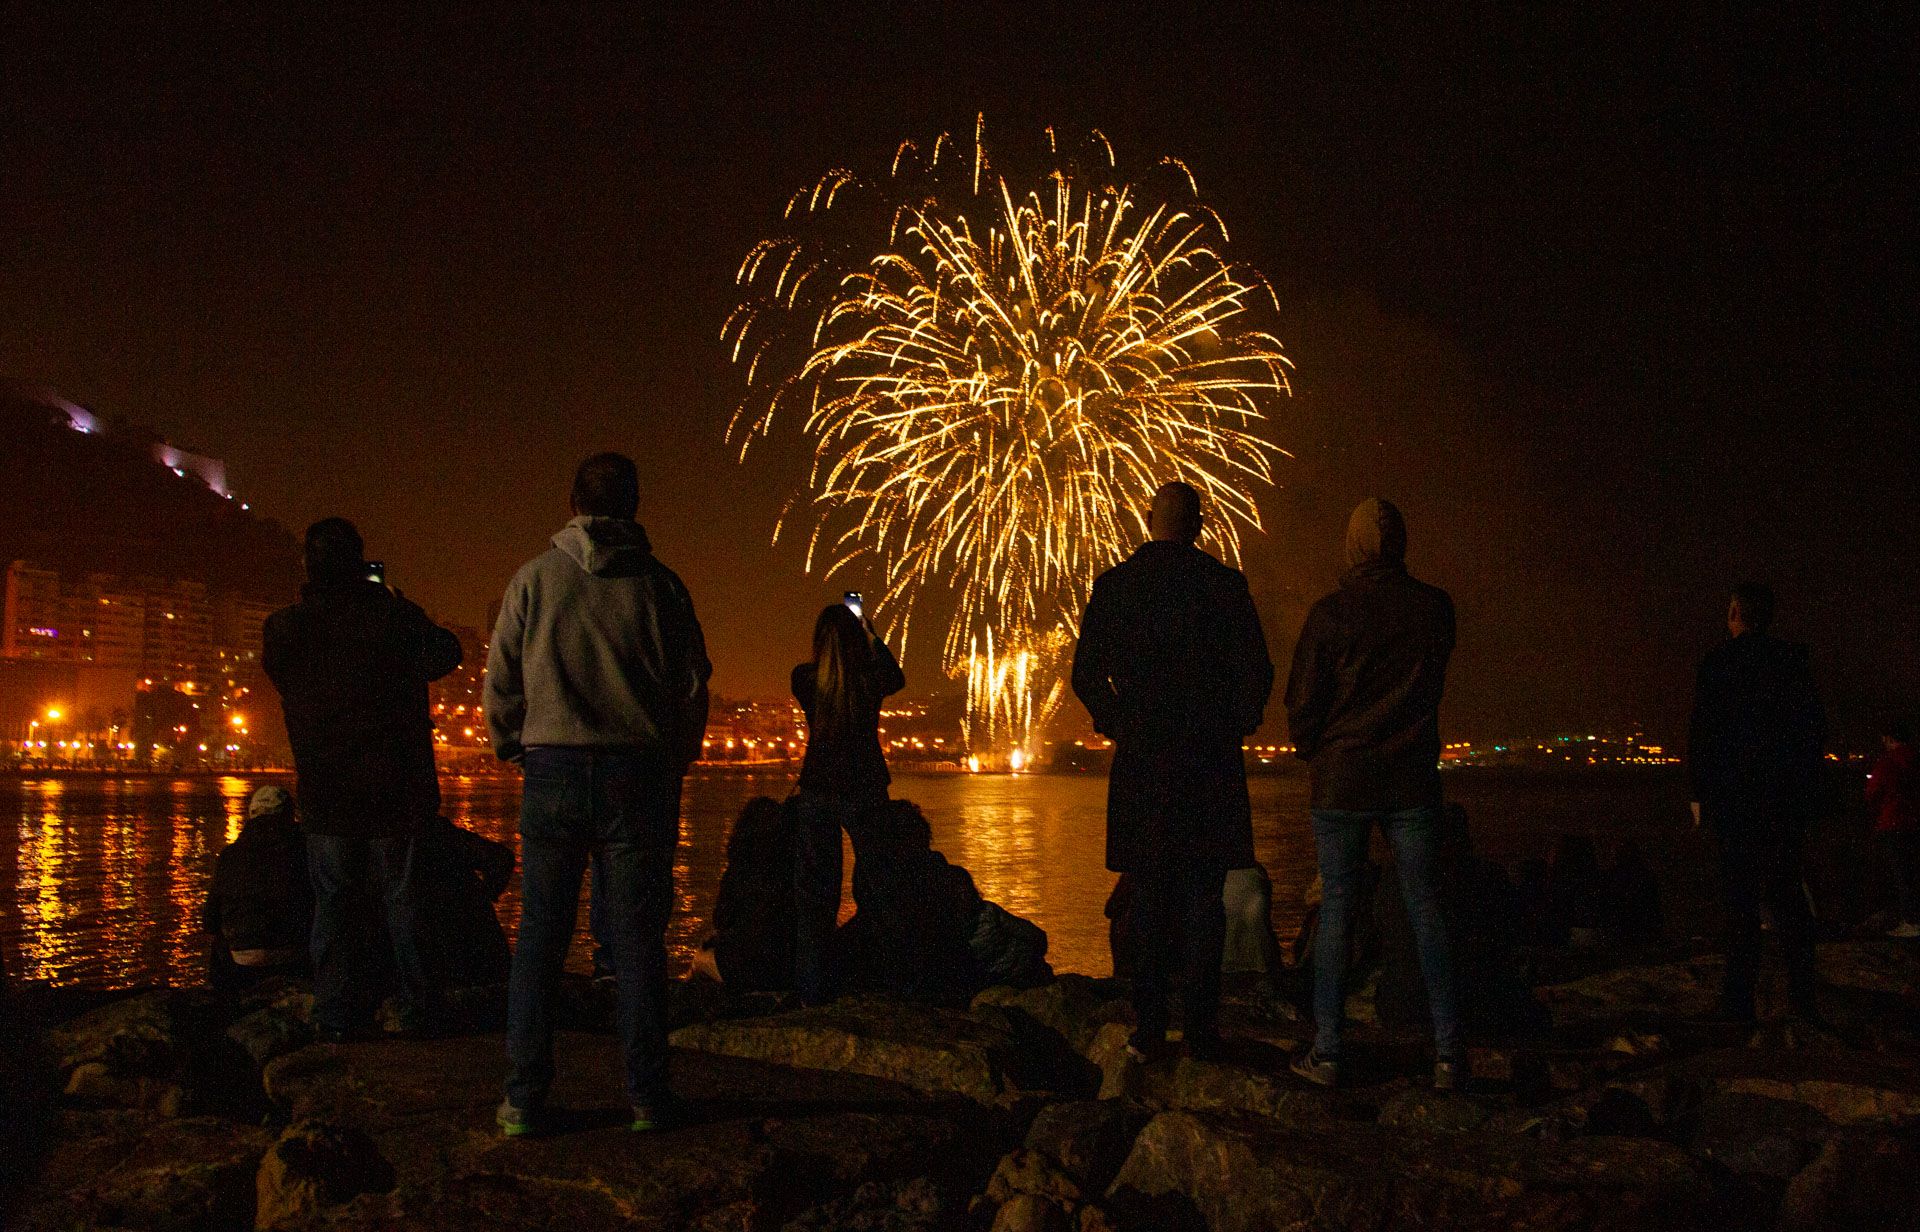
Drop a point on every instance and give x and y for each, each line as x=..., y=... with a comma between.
x=658, y=1115
x=1449, y=1074
x=1906, y=931
x=1320, y=1071
x=514, y=1122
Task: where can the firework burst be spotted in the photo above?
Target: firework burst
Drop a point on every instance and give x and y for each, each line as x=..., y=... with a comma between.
x=995, y=373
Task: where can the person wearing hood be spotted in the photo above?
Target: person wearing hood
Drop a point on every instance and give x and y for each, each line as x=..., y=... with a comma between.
x=597, y=686
x=259, y=910
x=1172, y=666
x=352, y=661
x=1363, y=703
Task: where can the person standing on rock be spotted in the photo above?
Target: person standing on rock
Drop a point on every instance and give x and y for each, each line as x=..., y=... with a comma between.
x=1172, y=666
x=843, y=779
x=597, y=686
x=1363, y=706
x=1893, y=799
x=1753, y=755
x=352, y=661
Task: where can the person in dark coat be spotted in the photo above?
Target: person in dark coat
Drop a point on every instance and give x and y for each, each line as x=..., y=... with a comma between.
x=1753, y=755
x=1363, y=705
x=463, y=876
x=1172, y=666
x=352, y=661
x=912, y=931
x=843, y=779
x=259, y=910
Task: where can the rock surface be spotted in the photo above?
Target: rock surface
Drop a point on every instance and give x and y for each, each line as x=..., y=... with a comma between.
x=877, y=1117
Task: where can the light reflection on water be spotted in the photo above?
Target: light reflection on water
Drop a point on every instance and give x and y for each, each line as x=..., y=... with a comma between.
x=102, y=881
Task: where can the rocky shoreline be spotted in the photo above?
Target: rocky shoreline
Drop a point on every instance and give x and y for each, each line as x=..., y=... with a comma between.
x=179, y=1110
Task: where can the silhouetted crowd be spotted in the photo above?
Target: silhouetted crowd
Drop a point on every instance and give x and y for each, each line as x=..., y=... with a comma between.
x=596, y=686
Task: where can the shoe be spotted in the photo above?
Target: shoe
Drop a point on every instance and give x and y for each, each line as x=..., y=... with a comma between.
x=515, y=1122
x=1320, y=1071
x=1449, y=1074
x=1906, y=931
x=664, y=1113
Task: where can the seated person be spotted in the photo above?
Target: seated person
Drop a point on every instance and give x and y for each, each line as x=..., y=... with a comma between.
x=918, y=929
x=751, y=949
x=259, y=908
x=1483, y=917
x=1573, y=891
x=1250, y=945
x=461, y=876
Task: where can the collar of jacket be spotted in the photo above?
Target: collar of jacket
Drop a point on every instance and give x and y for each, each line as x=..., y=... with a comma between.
x=1167, y=547
x=342, y=586
x=1373, y=571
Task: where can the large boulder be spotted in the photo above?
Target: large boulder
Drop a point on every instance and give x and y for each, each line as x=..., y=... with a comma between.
x=314, y=1166
x=1266, y=1091
x=1239, y=1174
x=938, y=1052
x=1660, y=992
x=1073, y=1006
x=1089, y=1138
x=164, y=1051
x=1857, y=1182
x=134, y=1170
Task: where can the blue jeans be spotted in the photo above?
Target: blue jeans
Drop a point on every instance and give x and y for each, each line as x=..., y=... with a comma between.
x=343, y=870
x=1340, y=837
x=620, y=809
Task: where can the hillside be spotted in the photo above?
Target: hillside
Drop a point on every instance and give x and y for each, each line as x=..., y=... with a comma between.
x=81, y=502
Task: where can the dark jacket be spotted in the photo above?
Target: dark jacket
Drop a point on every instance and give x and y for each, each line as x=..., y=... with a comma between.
x=1363, y=698
x=597, y=646
x=260, y=898
x=352, y=661
x=849, y=762
x=1758, y=728
x=1893, y=792
x=1173, y=667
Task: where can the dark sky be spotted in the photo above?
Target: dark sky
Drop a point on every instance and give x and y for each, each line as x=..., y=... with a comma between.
x=1615, y=304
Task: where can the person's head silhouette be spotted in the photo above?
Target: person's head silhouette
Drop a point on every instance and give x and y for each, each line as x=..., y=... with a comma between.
x=1175, y=516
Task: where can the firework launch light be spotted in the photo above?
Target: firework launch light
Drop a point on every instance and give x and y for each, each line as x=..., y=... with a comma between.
x=996, y=372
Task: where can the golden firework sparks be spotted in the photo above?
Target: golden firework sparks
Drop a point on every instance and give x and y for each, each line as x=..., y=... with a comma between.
x=995, y=376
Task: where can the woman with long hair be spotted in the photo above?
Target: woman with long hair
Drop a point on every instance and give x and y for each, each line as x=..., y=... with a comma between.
x=844, y=774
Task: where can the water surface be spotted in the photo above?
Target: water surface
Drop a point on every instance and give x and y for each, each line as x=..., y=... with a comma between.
x=101, y=879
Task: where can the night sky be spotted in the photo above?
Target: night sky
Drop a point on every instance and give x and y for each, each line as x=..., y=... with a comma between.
x=1615, y=305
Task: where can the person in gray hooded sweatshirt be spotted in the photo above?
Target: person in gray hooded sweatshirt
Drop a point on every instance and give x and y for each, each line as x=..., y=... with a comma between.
x=597, y=686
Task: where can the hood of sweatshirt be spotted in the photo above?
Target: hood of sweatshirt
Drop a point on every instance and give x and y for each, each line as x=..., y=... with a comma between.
x=605, y=547
x=1376, y=534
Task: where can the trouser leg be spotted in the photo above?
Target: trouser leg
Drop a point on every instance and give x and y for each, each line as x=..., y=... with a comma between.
x=1340, y=842
x=551, y=872
x=394, y=870
x=1415, y=837
x=337, y=868
x=1742, y=875
x=1201, y=891
x=816, y=894
x=637, y=891
x=1154, y=914
x=1792, y=918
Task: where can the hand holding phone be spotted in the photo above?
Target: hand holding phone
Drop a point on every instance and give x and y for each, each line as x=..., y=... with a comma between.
x=854, y=604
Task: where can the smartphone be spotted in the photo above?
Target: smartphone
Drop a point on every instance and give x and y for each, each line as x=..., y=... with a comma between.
x=377, y=572
x=852, y=600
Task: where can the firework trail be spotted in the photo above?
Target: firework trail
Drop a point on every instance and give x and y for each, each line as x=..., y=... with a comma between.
x=996, y=372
